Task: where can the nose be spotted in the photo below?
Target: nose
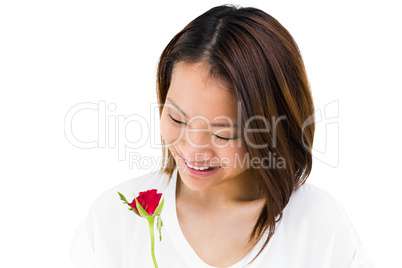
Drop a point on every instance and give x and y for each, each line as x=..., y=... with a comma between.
x=195, y=147
x=197, y=156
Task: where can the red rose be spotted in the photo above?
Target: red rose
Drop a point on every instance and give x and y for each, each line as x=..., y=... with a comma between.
x=149, y=200
x=148, y=204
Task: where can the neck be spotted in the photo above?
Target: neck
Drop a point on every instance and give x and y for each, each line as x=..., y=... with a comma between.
x=240, y=189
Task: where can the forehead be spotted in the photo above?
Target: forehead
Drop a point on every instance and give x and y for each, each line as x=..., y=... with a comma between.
x=197, y=93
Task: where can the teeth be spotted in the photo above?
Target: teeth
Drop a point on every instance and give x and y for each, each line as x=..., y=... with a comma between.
x=197, y=168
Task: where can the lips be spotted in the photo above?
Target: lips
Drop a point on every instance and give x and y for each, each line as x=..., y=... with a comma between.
x=198, y=166
x=200, y=172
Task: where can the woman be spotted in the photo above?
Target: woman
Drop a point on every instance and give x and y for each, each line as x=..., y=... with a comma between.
x=237, y=129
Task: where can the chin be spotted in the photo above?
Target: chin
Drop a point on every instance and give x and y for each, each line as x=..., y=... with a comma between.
x=196, y=183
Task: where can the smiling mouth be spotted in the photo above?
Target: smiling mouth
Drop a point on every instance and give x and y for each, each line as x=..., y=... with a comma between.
x=199, y=168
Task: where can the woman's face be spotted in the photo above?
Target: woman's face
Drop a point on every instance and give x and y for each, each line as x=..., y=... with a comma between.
x=199, y=125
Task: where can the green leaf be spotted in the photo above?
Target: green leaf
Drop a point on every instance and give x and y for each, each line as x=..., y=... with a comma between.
x=141, y=210
x=159, y=225
x=158, y=210
x=133, y=210
x=123, y=198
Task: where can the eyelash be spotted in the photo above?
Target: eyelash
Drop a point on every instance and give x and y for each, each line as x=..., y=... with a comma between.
x=182, y=123
x=176, y=121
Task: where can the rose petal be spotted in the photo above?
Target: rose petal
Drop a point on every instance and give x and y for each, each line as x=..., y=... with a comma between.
x=149, y=200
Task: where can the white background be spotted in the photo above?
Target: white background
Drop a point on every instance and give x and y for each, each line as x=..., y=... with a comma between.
x=57, y=54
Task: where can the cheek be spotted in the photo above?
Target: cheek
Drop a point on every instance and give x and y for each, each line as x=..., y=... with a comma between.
x=234, y=157
x=170, y=133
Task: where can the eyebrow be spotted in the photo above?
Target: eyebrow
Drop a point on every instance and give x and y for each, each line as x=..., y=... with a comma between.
x=212, y=124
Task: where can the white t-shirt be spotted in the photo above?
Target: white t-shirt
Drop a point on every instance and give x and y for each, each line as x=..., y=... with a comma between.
x=314, y=232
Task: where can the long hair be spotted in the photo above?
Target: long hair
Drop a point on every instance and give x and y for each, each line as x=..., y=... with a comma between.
x=253, y=53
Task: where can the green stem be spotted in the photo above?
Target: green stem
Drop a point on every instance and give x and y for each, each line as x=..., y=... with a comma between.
x=151, y=221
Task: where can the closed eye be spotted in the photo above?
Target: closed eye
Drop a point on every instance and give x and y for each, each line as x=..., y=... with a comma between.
x=176, y=121
x=222, y=138
x=182, y=123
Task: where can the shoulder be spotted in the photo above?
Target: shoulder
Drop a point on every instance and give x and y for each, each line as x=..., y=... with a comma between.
x=315, y=221
x=108, y=214
x=316, y=212
x=311, y=201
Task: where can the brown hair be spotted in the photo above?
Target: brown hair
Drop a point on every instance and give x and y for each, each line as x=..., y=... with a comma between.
x=252, y=52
